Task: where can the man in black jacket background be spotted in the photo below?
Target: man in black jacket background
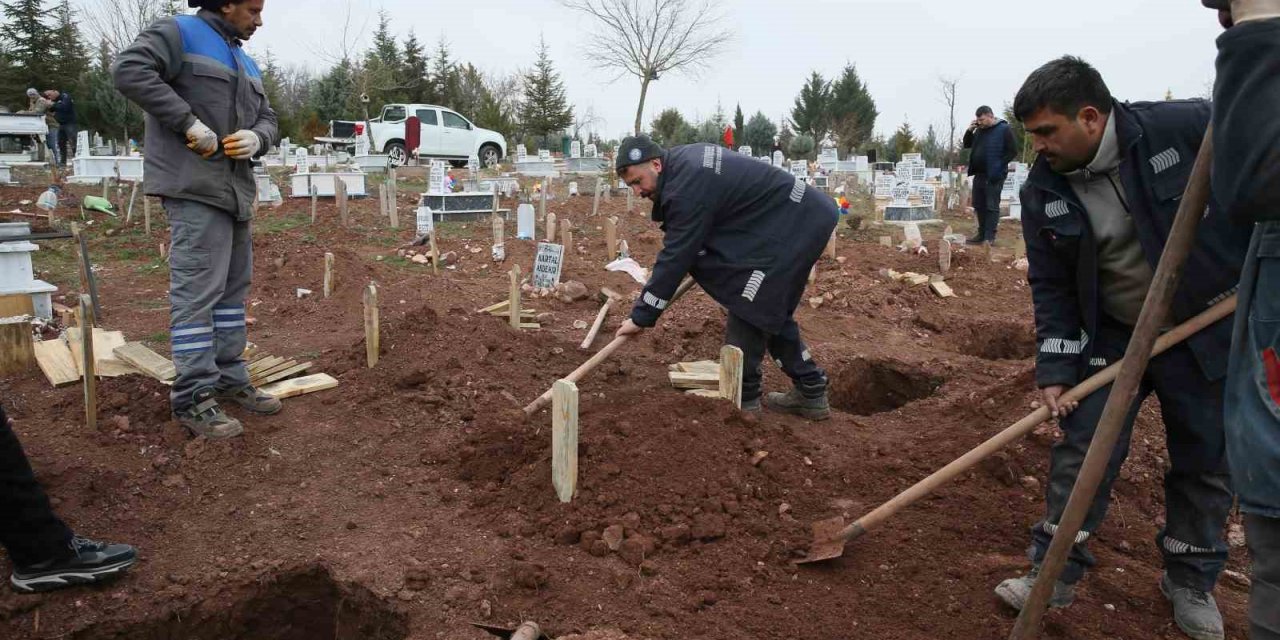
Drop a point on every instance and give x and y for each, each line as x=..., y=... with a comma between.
x=1097, y=209
x=749, y=233
x=1246, y=181
x=993, y=148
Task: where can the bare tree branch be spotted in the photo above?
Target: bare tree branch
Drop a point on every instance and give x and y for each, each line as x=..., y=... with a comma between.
x=648, y=38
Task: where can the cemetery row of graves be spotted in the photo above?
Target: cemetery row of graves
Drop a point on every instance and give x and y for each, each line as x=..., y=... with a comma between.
x=411, y=496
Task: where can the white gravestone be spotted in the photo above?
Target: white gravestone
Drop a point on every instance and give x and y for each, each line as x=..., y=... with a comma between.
x=800, y=168
x=473, y=164
x=573, y=188
x=82, y=144
x=521, y=153
x=300, y=163
x=547, y=265
x=437, y=180
x=912, y=157
x=524, y=221
x=426, y=221
x=575, y=149
x=362, y=146
x=778, y=159
x=590, y=151
x=901, y=194
x=745, y=150
x=544, y=155
x=928, y=196
x=884, y=186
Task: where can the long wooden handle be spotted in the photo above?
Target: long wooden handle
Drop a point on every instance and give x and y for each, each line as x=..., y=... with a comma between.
x=595, y=328
x=600, y=355
x=1155, y=310
x=1026, y=425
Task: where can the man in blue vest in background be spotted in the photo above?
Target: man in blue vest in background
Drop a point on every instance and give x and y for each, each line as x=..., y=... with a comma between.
x=993, y=148
x=207, y=118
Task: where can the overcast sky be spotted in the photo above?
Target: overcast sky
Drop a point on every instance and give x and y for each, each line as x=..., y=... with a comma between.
x=1142, y=47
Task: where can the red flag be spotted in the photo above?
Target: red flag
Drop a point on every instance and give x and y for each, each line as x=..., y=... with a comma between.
x=728, y=136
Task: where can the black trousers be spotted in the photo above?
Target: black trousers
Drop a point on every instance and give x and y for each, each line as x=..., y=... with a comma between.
x=986, y=205
x=1197, y=487
x=1264, y=596
x=29, y=530
x=787, y=350
x=67, y=138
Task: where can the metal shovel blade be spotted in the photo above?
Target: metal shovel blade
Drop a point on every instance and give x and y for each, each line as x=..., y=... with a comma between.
x=827, y=541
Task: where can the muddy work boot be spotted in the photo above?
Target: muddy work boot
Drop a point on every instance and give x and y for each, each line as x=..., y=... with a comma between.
x=86, y=561
x=808, y=402
x=1195, y=611
x=206, y=418
x=251, y=399
x=751, y=406
x=1015, y=591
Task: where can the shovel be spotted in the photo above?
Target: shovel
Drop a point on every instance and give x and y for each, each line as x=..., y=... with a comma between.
x=831, y=535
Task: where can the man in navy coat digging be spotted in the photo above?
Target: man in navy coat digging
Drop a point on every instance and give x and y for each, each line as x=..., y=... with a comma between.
x=748, y=233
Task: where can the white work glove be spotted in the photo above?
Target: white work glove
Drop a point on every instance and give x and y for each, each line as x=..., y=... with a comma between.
x=202, y=139
x=242, y=145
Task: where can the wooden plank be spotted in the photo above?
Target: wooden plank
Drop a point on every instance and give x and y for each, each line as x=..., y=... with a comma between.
x=595, y=200
x=566, y=239
x=264, y=363
x=915, y=279
x=55, y=360
x=944, y=256
x=340, y=197
x=86, y=367
x=393, y=205
x=371, y=337
x=496, y=308
x=831, y=245
x=146, y=361
x=262, y=373
x=16, y=352
x=435, y=252
x=530, y=325
x=106, y=363
x=564, y=439
x=704, y=393
x=682, y=380
x=19, y=304
x=942, y=289
x=314, y=198
x=513, y=297
x=731, y=374
x=299, y=386
x=284, y=374
x=610, y=238
x=551, y=227
x=701, y=366
x=88, y=284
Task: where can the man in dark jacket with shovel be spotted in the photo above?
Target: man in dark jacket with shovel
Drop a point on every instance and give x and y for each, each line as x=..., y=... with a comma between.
x=1097, y=209
x=749, y=233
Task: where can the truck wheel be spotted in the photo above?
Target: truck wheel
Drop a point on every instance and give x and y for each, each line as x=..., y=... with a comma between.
x=489, y=156
x=396, y=154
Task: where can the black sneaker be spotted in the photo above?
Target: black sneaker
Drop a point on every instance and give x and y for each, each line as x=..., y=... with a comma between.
x=974, y=240
x=91, y=562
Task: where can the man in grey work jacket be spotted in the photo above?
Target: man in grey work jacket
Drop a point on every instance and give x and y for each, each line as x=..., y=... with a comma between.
x=1097, y=209
x=749, y=234
x=207, y=118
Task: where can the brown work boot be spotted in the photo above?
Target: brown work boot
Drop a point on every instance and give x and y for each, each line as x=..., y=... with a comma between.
x=796, y=402
x=252, y=399
x=206, y=418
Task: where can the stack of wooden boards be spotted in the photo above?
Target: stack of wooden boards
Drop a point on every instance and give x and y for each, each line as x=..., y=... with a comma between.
x=61, y=360
x=701, y=378
x=502, y=310
x=935, y=282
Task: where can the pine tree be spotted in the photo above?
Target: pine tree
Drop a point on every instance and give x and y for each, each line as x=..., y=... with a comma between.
x=29, y=44
x=785, y=136
x=106, y=109
x=329, y=96
x=546, y=108
x=385, y=48
x=812, y=114
x=413, y=70
x=759, y=133
x=902, y=142
x=852, y=111
x=739, y=130
x=70, y=55
x=444, y=76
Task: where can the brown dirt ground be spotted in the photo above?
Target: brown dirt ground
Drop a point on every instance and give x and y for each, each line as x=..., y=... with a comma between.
x=415, y=499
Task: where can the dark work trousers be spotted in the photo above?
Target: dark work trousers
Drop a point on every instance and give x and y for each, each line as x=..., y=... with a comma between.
x=29, y=530
x=210, y=268
x=986, y=205
x=1264, y=596
x=787, y=350
x=1197, y=487
x=66, y=137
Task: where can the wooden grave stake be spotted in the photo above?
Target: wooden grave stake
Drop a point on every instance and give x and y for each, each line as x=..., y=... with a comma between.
x=542, y=202
x=133, y=194
x=566, y=238
x=393, y=206
x=499, y=228
x=87, y=282
x=630, y=205
x=564, y=439
x=371, y=337
x=146, y=214
x=813, y=274
x=513, y=307
x=944, y=256
x=86, y=352
x=340, y=195
x=610, y=238
x=731, y=374
x=831, y=245
x=314, y=198
x=328, y=274
x=382, y=200
x=164, y=250
x=595, y=199
x=435, y=253
x=551, y=227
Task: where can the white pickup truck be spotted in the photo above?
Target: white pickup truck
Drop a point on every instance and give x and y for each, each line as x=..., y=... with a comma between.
x=444, y=134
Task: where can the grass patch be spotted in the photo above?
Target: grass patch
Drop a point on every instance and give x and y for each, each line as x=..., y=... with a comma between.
x=275, y=225
x=399, y=262
x=159, y=337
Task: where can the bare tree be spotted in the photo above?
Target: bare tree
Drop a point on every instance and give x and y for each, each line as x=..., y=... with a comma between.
x=118, y=22
x=947, y=86
x=647, y=38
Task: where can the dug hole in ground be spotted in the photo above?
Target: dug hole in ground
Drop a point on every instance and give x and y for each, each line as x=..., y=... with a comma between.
x=415, y=498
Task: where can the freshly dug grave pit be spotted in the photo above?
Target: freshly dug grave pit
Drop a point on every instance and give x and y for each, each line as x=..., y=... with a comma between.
x=305, y=604
x=987, y=339
x=866, y=387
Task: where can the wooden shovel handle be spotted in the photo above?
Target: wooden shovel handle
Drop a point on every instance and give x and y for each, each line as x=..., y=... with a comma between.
x=1026, y=425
